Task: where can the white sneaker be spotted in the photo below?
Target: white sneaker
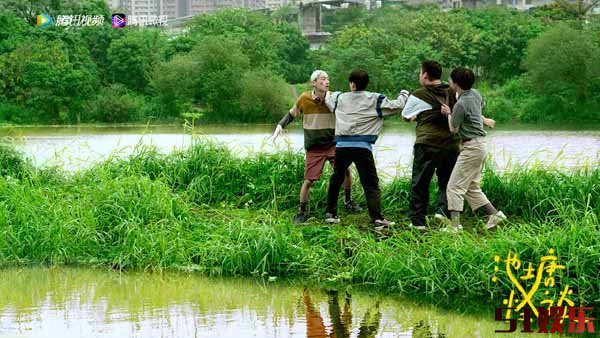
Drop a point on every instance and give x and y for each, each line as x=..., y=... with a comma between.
x=442, y=219
x=496, y=219
x=330, y=218
x=452, y=229
x=417, y=227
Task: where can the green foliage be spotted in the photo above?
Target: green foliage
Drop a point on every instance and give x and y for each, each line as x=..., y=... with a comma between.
x=13, y=113
x=47, y=77
x=264, y=96
x=503, y=38
x=12, y=162
x=113, y=104
x=337, y=19
x=221, y=63
x=564, y=68
x=506, y=103
x=54, y=74
x=176, y=83
x=279, y=47
x=206, y=210
x=132, y=55
x=13, y=31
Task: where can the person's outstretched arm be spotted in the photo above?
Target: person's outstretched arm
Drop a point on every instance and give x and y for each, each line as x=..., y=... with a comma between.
x=285, y=120
x=387, y=107
x=488, y=122
x=331, y=100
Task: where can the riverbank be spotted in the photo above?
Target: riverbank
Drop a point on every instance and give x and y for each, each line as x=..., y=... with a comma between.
x=206, y=210
x=394, y=122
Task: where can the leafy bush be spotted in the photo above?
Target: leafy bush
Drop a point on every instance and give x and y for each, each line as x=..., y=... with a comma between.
x=115, y=103
x=12, y=162
x=265, y=96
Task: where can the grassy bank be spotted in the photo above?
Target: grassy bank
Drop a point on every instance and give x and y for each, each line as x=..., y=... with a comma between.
x=206, y=210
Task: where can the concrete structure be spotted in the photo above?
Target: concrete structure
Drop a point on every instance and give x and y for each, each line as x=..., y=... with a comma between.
x=310, y=18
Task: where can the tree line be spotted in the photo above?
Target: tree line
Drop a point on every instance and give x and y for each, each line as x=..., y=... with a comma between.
x=242, y=66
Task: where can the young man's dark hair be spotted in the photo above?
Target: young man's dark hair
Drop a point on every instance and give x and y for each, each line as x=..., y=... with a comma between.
x=463, y=77
x=360, y=78
x=433, y=69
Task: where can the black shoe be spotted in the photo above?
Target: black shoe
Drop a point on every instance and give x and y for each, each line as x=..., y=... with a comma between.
x=300, y=218
x=352, y=207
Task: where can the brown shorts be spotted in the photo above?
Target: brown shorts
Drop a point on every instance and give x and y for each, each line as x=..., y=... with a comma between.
x=315, y=162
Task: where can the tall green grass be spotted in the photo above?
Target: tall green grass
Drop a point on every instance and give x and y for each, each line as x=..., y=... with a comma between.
x=210, y=174
x=206, y=210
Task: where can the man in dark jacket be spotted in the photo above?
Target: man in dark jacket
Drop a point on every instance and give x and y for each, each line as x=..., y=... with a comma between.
x=436, y=148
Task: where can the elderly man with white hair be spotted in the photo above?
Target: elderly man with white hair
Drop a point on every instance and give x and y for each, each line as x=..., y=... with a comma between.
x=319, y=140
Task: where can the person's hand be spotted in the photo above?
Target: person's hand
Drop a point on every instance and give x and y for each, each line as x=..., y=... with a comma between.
x=405, y=92
x=277, y=132
x=446, y=110
x=489, y=122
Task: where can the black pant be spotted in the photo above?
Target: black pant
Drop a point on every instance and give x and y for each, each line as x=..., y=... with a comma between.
x=427, y=160
x=365, y=164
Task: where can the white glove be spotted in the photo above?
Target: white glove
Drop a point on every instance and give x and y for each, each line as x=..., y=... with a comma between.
x=278, y=130
x=404, y=92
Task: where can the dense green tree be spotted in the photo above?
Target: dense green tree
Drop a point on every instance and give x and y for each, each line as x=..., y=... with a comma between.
x=279, y=47
x=337, y=19
x=265, y=96
x=293, y=58
x=30, y=9
x=221, y=64
x=13, y=31
x=563, y=62
x=133, y=55
x=176, y=83
x=503, y=38
x=563, y=69
x=41, y=76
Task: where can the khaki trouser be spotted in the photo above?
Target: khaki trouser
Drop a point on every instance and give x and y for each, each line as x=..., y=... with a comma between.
x=465, y=180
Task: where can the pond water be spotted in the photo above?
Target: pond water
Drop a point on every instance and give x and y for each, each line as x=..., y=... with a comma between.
x=76, y=302
x=78, y=147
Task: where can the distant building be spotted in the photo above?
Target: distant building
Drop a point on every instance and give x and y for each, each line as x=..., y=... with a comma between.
x=276, y=4
x=181, y=8
x=518, y=4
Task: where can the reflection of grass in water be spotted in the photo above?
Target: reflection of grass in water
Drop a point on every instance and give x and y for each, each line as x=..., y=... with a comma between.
x=206, y=210
x=137, y=297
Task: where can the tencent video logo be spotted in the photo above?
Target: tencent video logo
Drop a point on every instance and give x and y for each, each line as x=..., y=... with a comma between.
x=119, y=20
x=44, y=20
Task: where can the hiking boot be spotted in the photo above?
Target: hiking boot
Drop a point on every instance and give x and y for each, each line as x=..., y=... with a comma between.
x=331, y=218
x=300, y=218
x=452, y=229
x=382, y=224
x=495, y=219
x=352, y=207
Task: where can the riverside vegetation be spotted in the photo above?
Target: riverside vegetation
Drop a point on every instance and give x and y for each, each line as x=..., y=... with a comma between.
x=237, y=66
x=204, y=209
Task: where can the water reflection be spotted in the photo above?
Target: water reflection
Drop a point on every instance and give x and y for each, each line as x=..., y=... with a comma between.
x=74, y=302
x=341, y=320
